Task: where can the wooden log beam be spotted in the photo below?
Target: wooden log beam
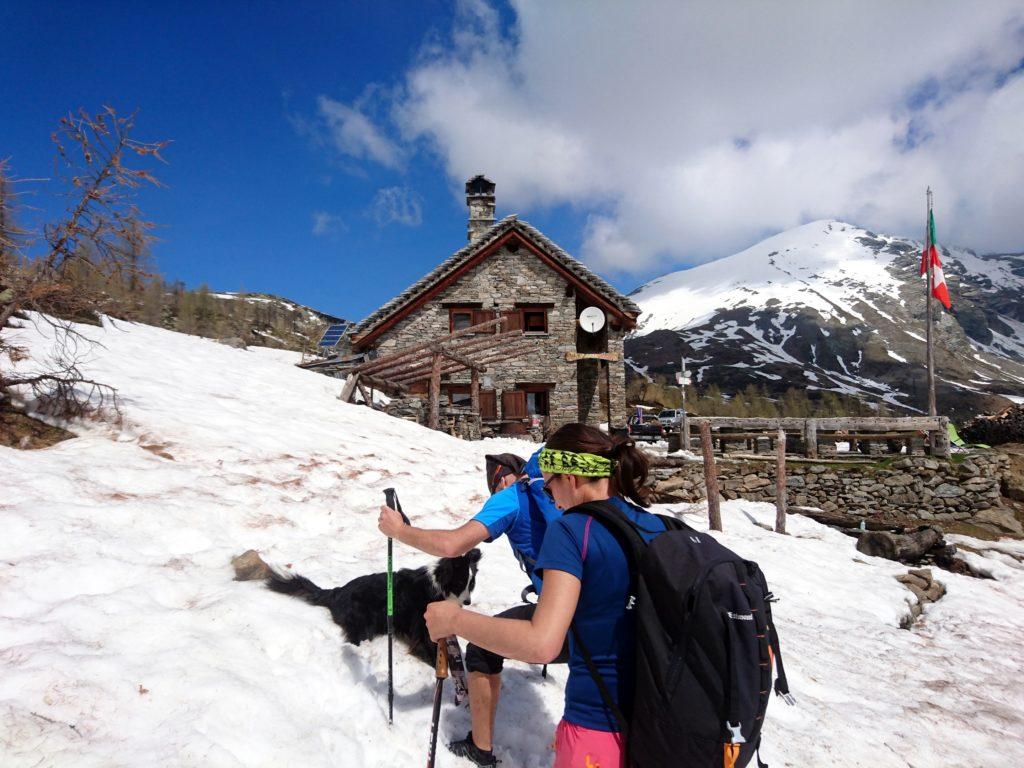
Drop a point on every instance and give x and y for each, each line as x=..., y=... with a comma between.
x=710, y=477
x=420, y=360
x=384, y=385
x=780, y=482
x=420, y=373
x=380, y=362
x=840, y=520
x=907, y=548
x=454, y=356
x=847, y=423
x=434, y=417
x=421, y=363
x=611, y=357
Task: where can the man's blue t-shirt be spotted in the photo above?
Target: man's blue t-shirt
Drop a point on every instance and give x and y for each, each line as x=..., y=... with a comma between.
x=522, y=512
x=583, y=547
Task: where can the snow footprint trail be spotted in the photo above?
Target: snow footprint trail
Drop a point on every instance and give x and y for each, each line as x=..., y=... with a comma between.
x=119, y=616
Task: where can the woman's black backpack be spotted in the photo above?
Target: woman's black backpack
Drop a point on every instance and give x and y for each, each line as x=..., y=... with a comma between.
x=705, y=648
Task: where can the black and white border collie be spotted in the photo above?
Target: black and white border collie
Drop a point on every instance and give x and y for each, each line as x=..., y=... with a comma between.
x=360, y=607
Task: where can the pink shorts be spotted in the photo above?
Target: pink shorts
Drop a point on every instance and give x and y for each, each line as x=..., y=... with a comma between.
x=579, y=747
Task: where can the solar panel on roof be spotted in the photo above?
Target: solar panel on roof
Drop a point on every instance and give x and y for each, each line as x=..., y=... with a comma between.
x=332, y=335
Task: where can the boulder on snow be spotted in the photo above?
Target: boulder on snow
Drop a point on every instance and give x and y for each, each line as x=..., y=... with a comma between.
x=249, y=566
x=925, y=588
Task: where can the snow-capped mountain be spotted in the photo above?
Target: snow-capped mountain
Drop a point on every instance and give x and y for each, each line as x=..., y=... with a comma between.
x=829, y=305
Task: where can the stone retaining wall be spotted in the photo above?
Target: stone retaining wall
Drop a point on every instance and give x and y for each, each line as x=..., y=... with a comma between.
x=909, y=488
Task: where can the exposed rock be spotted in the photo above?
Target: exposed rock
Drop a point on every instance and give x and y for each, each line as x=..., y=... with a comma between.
x=917, y=581
x=249, y=566
x=1002, y=519
x=19, y=430
x=233, y=341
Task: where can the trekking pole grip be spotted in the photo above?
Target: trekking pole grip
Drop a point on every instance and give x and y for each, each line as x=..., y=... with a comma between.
x=441, y=665
x=391, y=499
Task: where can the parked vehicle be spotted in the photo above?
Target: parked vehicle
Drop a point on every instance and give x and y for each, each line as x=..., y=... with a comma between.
x=648, y=428
x=671, y=419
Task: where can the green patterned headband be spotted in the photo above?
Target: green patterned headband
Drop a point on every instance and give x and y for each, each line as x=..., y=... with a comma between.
x=569, y=463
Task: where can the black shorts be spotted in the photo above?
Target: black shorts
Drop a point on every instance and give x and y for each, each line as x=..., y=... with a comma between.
x=479, y=660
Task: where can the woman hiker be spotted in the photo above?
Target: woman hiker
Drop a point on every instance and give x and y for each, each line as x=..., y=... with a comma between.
x=586, y=582
x=518, y=509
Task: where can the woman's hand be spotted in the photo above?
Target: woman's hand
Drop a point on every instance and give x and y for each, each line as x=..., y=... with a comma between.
x=442, y=617
x=389, y=521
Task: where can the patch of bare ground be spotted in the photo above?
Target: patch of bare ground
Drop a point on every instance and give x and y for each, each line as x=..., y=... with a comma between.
x=158, y=449
x=19, y=430
x=267, y=520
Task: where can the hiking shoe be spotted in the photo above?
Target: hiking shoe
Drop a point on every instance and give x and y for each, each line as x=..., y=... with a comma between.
x=466, y=748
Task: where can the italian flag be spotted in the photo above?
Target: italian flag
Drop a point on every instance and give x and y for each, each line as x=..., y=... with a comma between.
x=939, y=290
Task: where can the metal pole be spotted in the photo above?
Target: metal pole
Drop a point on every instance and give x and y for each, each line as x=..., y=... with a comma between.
x=928, y=312
x=685, y=426
x=391, y=499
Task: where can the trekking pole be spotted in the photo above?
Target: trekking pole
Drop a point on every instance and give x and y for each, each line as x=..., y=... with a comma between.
x=440, y=673
x=391, y=499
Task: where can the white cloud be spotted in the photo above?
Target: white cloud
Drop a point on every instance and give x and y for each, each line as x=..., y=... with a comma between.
x=397, y=205
x=352, y=133
x=326, y=224
x=690, y=129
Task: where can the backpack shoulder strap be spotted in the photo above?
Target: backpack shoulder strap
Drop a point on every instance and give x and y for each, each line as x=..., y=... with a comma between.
x=618, y=525
x=633, y=545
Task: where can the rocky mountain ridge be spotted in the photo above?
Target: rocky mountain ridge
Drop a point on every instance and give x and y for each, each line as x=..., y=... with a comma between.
x=832, y=306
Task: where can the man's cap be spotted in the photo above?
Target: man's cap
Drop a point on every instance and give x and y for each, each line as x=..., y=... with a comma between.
x=501, y=464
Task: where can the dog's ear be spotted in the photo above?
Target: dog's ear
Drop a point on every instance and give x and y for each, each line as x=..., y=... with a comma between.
x=444, y=572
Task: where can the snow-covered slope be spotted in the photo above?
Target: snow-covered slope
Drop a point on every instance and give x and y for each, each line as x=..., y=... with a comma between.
x=833, y=306
x=125, y=642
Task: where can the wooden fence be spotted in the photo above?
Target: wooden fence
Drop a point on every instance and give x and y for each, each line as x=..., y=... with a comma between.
x=814, y=437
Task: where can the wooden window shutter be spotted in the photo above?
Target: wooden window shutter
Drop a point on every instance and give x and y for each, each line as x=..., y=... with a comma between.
x=482, y=316
x=513, y=405
x=488, y=405
x=515, y=320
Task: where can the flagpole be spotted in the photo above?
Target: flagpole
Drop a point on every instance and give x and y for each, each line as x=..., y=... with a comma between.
x=930, y=354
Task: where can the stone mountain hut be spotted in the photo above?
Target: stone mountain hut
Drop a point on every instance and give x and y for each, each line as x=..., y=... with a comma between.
x=572, y=369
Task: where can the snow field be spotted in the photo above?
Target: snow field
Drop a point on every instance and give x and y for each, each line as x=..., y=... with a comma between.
x=119, y=616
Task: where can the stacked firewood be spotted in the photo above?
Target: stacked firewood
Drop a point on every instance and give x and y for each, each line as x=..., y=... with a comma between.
x=1007, y=426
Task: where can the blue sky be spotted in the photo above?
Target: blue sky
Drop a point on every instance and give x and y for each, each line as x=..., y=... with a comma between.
x=230, y=85
x=319, y=148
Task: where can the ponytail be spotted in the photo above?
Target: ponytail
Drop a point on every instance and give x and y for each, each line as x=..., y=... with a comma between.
x=630, y=465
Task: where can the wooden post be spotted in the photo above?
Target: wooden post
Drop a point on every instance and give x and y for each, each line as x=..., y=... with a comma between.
x=350, y=386
x=434, y=417
x=780, y=482
x=941, y=438
x=710, y=477
x=474, y=400
x=811, y=438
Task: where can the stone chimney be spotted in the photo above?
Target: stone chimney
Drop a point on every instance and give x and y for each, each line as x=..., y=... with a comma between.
x=480, y=199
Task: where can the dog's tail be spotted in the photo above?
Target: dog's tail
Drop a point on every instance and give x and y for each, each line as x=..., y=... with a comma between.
x=296, y=586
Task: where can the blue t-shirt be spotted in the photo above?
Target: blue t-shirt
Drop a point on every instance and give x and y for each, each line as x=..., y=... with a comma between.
x=606, y=628
x=522, y=512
